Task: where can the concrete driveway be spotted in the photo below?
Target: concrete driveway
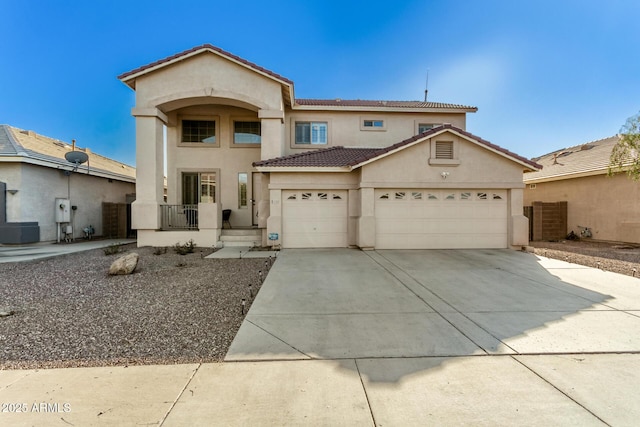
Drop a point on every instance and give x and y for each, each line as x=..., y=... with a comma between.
x=464, y=336
x=385, y=338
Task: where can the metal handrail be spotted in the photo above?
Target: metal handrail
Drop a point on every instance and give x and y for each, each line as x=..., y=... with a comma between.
x=179, y=217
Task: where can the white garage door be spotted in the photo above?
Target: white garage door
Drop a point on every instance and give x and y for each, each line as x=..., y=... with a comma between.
x=314, y=219
x=441, y=219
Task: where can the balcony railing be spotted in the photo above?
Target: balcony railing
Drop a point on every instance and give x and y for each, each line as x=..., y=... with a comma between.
x=179, y=217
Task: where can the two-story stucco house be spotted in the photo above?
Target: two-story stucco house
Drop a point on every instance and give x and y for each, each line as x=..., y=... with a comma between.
x=309, y=173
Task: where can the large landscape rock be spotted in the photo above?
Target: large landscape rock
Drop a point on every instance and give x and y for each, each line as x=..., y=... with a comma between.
x=125, y=264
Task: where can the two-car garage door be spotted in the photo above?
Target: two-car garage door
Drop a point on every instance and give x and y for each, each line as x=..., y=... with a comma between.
x=405, y=219
x=441, y=219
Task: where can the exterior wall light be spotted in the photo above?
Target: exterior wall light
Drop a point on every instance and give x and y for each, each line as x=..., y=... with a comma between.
x=12, y=191
x=444, y=175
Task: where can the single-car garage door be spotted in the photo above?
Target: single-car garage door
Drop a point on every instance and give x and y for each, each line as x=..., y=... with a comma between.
x=440, y=219
x=314, y=219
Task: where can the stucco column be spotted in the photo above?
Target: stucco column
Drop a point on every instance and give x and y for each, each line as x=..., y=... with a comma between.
x=149, y=168
x=272, y=139
x=274, y=222
x=519, y=226
x=367, y=220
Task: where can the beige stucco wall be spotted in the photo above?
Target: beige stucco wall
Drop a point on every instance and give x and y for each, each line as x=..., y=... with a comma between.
x=38, y=187
x=344, y=127
x=609, y=206
x=226, y=159
x=478, y=168
x=207, y=76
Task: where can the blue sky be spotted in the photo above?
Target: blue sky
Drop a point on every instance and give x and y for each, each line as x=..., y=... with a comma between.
x=543, y=74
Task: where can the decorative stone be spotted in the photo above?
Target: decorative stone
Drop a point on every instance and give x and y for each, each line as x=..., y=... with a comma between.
x=124, y=265
x=7, y=313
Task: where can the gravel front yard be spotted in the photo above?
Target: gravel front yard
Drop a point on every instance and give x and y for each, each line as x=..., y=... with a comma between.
x=620, y=258
x=172, y=309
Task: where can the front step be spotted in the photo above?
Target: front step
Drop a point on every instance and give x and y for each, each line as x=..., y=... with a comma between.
x=241, y=237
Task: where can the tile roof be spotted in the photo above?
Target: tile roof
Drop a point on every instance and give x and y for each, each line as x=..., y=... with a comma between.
x=352, y=157
x=378, y=104
x=326, y=157
x=204, y=47
x=21, y=144
x=590, y=157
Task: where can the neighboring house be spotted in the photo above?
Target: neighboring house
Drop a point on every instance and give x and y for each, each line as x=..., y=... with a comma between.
x=312, y=173
x=608, y=206
x=34, y=173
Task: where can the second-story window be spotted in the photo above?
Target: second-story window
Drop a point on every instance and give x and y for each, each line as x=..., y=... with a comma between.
x=423, y=127
x=194, y=131
x=247, y=132
x=372, y=124
x=311, y=133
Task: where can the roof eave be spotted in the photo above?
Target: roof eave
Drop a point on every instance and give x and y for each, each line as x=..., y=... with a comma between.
x=570, y=175
x=65, y=166
x=381, y=109
x=299, y=169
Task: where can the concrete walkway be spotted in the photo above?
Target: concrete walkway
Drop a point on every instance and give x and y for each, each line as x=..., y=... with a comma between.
x=20, y=253
x=344, y=337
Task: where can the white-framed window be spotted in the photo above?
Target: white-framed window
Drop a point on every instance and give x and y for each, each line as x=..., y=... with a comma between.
x=198, y=187
x=247, y=132
x=372, y=124
x=315, y=133
x=242, y=190
x=423, y=127
x=198, y=131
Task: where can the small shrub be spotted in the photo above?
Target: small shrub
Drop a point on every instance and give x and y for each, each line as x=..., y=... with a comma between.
x=181, y=264
x=112, y=249
x=187, y=248
x=160, y=251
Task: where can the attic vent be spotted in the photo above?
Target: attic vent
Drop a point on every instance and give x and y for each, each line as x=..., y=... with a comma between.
x=28, y=132
x=586, y=147
x=565, y=153
x=444, y=149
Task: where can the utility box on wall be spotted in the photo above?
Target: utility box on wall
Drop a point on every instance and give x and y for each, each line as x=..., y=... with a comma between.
x=63, y=210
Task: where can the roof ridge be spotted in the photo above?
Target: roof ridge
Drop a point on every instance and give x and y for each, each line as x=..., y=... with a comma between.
x=8, y=129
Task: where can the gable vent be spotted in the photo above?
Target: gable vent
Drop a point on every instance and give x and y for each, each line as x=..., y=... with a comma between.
x=444, y=149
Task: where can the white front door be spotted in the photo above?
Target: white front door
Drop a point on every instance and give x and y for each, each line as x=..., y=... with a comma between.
x=440, y=219
x=314, y=219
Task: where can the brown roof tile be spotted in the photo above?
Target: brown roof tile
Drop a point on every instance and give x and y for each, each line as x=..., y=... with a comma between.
x=377, y=104
x=347, y=156
x=327, y=157
x=204, y=47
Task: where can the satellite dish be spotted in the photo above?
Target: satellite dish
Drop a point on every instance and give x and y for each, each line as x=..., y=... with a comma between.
x=76, y=157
